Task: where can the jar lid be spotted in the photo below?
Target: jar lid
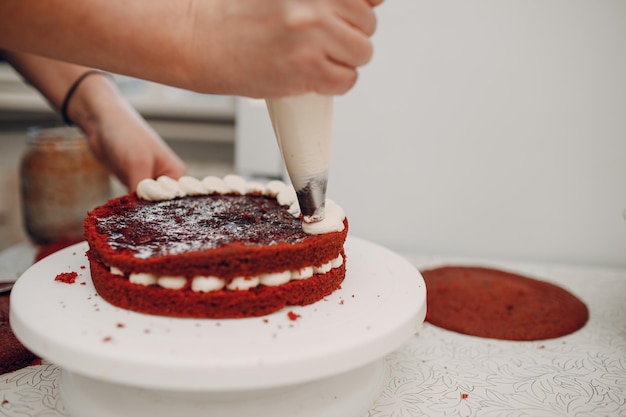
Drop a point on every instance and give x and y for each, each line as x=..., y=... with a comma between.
x=55, y=136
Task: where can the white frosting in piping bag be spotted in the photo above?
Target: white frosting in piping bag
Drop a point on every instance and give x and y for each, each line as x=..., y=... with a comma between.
x=303, y=126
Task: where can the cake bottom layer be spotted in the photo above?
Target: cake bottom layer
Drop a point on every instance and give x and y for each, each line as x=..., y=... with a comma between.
x=258, y=301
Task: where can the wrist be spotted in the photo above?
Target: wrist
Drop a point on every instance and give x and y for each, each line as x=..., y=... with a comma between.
x=84, y=100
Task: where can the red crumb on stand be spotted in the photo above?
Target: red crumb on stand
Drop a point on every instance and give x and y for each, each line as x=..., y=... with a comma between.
x=67, y=277
x=293, y=316
x=464, y=396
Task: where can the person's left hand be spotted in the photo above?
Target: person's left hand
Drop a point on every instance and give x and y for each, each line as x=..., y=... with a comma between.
x=132, y=150
x=124, y=142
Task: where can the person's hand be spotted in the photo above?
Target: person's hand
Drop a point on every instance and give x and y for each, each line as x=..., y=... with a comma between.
x=270, y=48
x=119, y=137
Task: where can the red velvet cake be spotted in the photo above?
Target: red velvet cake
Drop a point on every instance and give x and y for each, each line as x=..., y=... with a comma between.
x=13, y=355
x=216, y=248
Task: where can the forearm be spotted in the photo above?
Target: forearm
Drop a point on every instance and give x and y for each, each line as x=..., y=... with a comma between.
x=134, y=37
x=257, y=48
x=117, y=134
x=54, y=79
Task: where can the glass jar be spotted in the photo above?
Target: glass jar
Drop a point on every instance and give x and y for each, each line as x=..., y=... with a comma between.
x=61, y=181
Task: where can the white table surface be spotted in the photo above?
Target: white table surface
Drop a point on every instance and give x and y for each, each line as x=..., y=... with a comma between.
x=442, y=373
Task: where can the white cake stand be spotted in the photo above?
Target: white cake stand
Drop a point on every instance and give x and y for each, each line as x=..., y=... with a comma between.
x=325, y=363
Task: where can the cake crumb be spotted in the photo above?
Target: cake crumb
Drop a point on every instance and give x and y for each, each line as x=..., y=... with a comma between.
x=464, y=396
x=66, y=277
x=120, y=325
x=293, y=316
x=107, y=339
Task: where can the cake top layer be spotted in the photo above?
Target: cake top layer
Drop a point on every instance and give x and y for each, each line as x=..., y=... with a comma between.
x=165, y=188
x=168, y=217
x=199, y=223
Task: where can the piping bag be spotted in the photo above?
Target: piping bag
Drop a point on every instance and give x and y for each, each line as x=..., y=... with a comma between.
x=303, y=129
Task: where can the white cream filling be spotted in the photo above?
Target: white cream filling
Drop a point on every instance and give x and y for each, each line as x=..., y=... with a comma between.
x=207, y=284
x=304, y=273
x=276, y=278
x=243, y=283
x=211, y=283
x=143, y=278
x=166, y=188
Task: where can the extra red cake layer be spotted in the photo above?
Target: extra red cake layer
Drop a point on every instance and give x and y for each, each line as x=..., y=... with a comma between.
x=496, y=304
x=257, y=301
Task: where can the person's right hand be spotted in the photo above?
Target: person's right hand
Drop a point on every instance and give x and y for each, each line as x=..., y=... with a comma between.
x=271, y=48
x=254, y=48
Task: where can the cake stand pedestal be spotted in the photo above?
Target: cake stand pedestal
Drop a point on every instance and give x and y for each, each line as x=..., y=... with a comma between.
x=327, y=362
x=349, y=394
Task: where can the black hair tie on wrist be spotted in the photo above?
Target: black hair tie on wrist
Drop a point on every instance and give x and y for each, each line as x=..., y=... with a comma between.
x=72, y=89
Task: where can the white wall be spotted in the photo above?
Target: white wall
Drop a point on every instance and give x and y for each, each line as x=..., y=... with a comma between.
x=490, y=128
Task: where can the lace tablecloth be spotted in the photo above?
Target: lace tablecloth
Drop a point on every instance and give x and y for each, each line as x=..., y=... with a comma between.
x=441, y=373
